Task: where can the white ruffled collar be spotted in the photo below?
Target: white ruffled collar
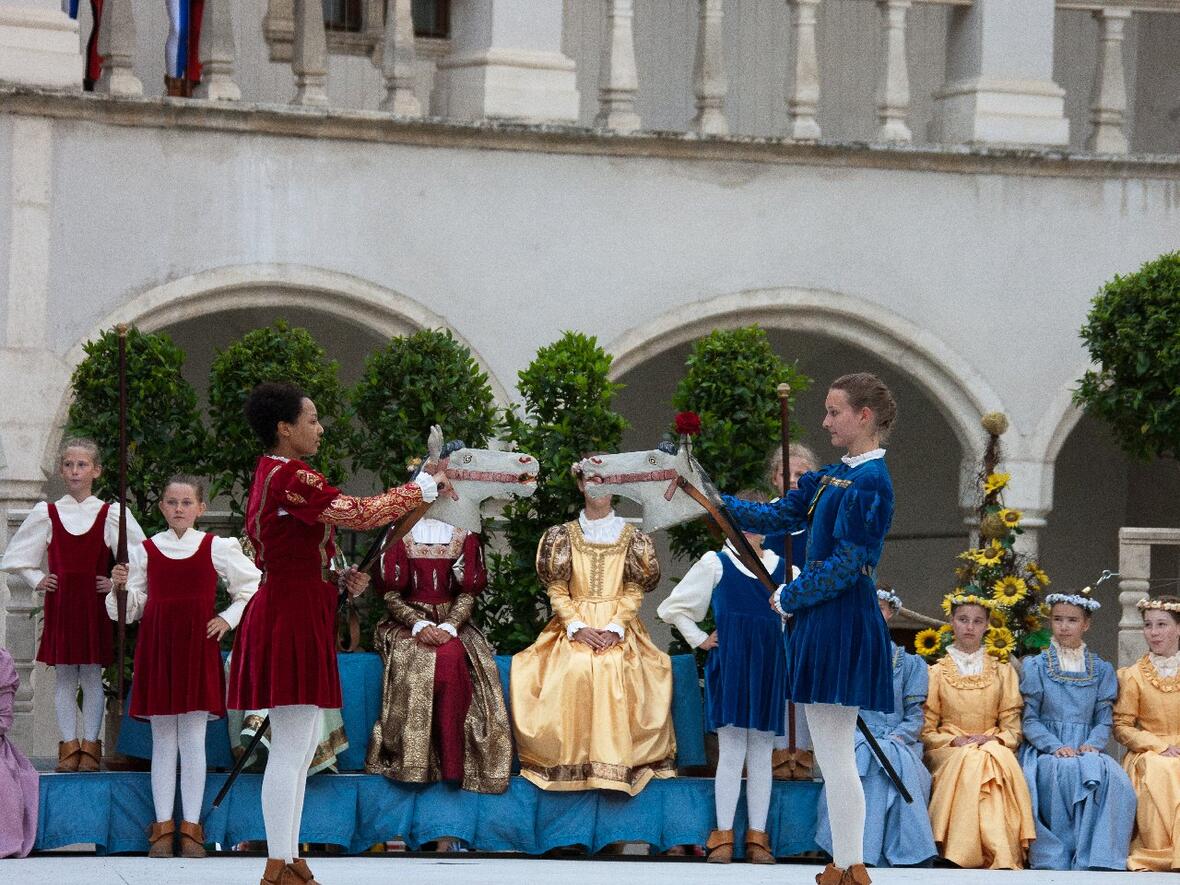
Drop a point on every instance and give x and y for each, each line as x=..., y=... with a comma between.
x=601, y=531
x=1166, y=667
x=1072, y=660
x=857, y=460
x=969, y=663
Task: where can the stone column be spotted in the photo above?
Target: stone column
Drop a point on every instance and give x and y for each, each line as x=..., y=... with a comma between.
x=39, y=45
x=116, y=44
x=1134, y=584
x=397, y=61
x=618, y=75
x=893, y=89
x=709, y=80
x=506, y=63
x=1108, y=103
x=218, y=53
x=803, y=99
x=309, y=55
x=999, y=87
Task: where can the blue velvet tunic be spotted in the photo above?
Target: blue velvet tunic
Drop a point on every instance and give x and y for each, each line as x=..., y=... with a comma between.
x=838, y=647
x=896, y=834
x=1084, y=806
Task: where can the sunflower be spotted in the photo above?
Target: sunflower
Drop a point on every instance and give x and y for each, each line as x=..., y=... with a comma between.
x=999, y=642
x=992, y=554
x=1037, y=574
x=995, y=482
x=927, y=642
x=998, y=618
x=945, y=632
x=1032, y=622
x=1009, y=590
x=1010, y=518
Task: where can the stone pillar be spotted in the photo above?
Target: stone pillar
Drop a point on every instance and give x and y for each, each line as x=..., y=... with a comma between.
x=893, y=89
x=309, y=55
x=1108, y=102
x=397, y=61
x=39, y=45
x=709, y=81
x=803, y=99
x=506, y=63
x=1000, y=87
x=116, y=44
x=1134, y=584
x=218, y=53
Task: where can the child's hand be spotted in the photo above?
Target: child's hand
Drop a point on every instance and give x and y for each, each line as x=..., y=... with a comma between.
x=103, y=584
x=710, y=642
x=353, y=581
x=217, y=628
x=119, y=573
x=1065, y=752
x=48, y=584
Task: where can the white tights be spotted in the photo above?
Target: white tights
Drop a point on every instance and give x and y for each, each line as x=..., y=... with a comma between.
x=736, y=746
x=173, y=52
x=294, y=736
x=182, y=736
x=65, y=699
x=833, y=736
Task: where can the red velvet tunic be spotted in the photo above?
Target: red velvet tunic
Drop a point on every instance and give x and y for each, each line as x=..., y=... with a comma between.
x=285, y=650
x=177, y=666
x=77, y=629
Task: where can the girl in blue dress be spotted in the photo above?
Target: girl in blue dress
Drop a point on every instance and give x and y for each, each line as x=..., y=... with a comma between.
x=1083, y=802
x=897, y=834
x=838, y=648
x=745, y=684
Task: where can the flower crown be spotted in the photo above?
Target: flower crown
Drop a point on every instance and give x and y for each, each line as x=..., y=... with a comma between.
x=892, y=598
x=1081, y=600
x=1145, y=604
x=953, y=600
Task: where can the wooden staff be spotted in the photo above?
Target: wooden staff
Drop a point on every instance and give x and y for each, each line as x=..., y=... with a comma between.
x=121, y=545
x=784, y=411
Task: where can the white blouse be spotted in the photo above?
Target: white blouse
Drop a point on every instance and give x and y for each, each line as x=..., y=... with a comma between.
x=857, y=460
x=26, y=552
x=968, y=664
x=601, y=531
x=1072, y=660
x=1166, y=667
x=229, y=562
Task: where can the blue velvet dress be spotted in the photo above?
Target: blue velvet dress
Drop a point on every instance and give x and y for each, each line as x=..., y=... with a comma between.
x=746, y=674
x=896, y=834
x=838, y=647
x=776, y=541
x=1083, y=807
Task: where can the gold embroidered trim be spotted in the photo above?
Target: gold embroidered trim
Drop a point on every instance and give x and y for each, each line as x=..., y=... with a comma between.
x=838, y=483
x=449, y=550
x=598, y=553
x=622, y=774
x=951, y=673
x=259, y=557
x=309, y=478
x=1166, y=684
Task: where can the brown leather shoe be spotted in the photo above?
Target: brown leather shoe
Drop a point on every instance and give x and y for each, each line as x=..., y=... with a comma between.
x=91, y=756
x=832, y=875
x=719, y=847
x=301, y=872
x=160, y=835
x=192, y=840
x=275, y=872
x=758, y=847
x=857, y=875
x=69, y=754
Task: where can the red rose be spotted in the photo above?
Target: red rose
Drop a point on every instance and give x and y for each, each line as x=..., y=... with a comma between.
x=688, y=423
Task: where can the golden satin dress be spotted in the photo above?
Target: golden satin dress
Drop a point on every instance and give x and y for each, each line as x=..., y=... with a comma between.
x=980, y=808
x=585, y=720
x=1147, y=721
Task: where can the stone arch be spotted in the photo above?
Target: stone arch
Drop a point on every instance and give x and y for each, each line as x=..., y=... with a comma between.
x=348, y=298
x=960, y=392
x=1055, y=426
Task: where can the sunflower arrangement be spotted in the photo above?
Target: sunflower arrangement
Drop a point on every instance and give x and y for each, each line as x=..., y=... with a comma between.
x=1009, y=584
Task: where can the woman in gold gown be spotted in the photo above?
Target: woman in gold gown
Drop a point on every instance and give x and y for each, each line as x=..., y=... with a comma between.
x=592, y=697
x=980, y=808
x=1147, y=722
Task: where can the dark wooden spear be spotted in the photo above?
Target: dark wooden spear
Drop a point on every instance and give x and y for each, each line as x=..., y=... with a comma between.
x=121, y=545
x=784, y=411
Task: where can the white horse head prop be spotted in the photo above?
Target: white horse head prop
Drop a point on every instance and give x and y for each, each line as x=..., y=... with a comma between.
x=477, y=475
x=651, y=479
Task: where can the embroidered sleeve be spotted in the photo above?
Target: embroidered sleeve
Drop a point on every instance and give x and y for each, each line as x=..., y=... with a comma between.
x=1008, y=718
x=395, y=568
x=1126, y=717
x=641, y=569
x=369, y=513
x=1032, y=686
x=461, y=609
x=554, y=569
x=473, y=577
x=838, y=573
x=401, y=611
x=788, y=513
x=1108, y=690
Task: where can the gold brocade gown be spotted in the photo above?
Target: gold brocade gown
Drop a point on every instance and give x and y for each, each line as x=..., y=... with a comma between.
x=1147, y=721
x=585, y=720
x=980, y=808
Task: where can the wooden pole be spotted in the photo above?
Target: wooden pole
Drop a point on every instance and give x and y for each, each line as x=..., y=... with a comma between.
x=121, y=546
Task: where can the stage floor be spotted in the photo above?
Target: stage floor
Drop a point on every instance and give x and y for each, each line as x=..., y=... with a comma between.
x=502, y=871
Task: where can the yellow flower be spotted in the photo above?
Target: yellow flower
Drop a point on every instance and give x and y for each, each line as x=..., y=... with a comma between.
x=995, y=482
x=1010, y=518
x=1009, y=590
x=962, y=597
x=1032, y=623
x=998, y=618
x=992, y=554
x=1043, y=610
x=999, y=642
x=1037, y=574
x=927, y=642
x=944, y=631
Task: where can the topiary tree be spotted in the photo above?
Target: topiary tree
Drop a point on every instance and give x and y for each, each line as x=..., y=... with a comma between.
x=411, y=383
x=165, y=434
x=1131, y=334
x=276, y=353
x=566, y=412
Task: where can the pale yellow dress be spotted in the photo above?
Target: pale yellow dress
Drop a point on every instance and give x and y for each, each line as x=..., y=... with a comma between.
x=585, y=720
x=980, y=808
x=1146, y=721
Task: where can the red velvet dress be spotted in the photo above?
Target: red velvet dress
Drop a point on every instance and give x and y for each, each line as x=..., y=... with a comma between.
x=177, y=666
x=77, y=629
x=285, y=650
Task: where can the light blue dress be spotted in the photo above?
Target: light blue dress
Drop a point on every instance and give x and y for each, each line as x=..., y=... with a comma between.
x=896, y=834
x=1083, y=807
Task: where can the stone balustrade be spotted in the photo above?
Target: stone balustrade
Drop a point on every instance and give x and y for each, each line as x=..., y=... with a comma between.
x=1136, y=581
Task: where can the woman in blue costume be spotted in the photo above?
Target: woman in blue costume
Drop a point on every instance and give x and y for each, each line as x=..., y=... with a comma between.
x=1083, y=802
x=838, y=648
x=897, y=834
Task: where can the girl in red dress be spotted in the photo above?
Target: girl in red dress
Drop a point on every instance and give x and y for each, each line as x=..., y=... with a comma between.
x=284, y=656
x=179, y=681
x=77, y=535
